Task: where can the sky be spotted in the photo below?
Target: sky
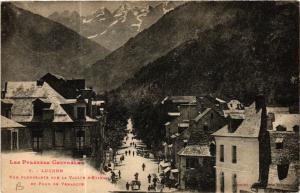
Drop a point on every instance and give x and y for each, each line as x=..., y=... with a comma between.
x=45, y=8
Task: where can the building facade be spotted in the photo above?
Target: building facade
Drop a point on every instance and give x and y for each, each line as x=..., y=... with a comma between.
x=241, y=150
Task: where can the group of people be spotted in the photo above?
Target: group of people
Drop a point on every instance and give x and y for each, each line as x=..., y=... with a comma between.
x=153, y=185
x=129, y=152
x=114, y=176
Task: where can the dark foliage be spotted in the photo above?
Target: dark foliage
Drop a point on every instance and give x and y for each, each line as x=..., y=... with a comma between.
x=148, y=120
x=33, y=45
x=116, y=121
x=256, y=50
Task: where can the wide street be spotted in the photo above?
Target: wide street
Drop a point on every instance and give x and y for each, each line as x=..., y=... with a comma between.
x=133, y=164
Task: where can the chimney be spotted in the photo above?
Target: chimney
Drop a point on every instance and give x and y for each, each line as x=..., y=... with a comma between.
x=39, y=82
x=260, y=102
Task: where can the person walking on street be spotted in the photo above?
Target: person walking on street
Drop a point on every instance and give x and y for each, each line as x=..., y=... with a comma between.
x=119, y=173
x=129, y=152
x=136, y=176
x=149, y=178
x=127, y=186
x=143, y=166
x=126, y=153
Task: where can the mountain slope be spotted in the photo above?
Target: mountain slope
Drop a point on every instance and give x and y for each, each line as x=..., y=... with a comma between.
x=114, y=29
x=256, y=50
x=33, y=45
x=174, y=28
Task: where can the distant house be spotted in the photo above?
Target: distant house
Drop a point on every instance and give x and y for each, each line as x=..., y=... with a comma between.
x=242, y=153
x=12, y=135
x=55, y=123
x=67, y=88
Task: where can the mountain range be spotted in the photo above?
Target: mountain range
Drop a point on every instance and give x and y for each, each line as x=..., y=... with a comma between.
x=33, y=45
x=241, y=49
x=113, y=29
x=225, y=48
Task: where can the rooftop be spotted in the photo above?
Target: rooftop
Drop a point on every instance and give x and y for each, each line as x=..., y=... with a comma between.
x=250, y=127
x=281, y=110
x=8, y=123
x=202, y=114
x=180, y=99
x=24, y=93
x=286, y=120
x=195, y=151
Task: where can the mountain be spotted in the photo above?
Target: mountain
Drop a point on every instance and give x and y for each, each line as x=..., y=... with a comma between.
x=113, y=29
x=255, y=50
x=33, y=45
x=174, y=28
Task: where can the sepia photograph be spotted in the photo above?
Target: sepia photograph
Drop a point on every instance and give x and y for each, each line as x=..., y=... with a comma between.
x=150, y=96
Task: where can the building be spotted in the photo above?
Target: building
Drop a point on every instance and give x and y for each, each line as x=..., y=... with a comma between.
x=13, y=135
x=283, y=173
x=54, y=123
x=242, y=152
x=199, y=153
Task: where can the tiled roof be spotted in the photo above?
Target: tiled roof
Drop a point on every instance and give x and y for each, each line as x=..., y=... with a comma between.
x=202, y=114
x=195, y=150
x=8, y=123
x=181, y=99
x=250, y=126
x=220, y=100
x=24, y=93
x=286, y=120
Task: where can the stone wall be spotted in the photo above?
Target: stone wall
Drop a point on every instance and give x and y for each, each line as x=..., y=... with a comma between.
x=290, y=150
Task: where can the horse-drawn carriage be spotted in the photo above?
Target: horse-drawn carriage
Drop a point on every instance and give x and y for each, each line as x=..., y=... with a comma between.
x=135, y=185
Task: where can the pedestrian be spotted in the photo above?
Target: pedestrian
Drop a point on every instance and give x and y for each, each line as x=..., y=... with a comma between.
x=149, y=178
x=154, y=181
x=143, y=166
x=126, y=153
x=119, y=173
x=136, y=176
x=129, y=152
x=127, y=186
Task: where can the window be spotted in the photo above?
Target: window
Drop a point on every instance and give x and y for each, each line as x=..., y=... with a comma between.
x=282, y=171
x=279, y=143
x=222, y=184
x=37, y=137
x=8, y=113
x=191, y=162
x=80, y=135
x=233, y=154
x=221, y=153
x=80, y=112
x=234, y=184
x=296, y=128
x=211, y=116
x=14, y=140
